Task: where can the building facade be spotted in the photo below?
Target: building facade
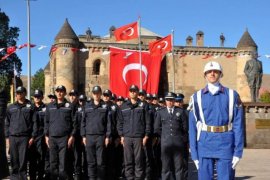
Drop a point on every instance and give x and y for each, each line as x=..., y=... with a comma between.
x=82, y=70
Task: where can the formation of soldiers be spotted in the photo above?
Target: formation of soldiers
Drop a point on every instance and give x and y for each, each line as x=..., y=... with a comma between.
x=102, y=137
x=141, y=137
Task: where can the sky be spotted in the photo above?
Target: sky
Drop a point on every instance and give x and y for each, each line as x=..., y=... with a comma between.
x=213, y=17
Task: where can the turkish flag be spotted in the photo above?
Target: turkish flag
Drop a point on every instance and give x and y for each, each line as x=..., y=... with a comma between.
x=127, y=32
x=125, y=71
x=161, y=46
x=11, y=49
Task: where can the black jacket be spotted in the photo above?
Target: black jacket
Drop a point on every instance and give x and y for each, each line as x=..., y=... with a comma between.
x=60, y=120
x=20, y=120
x=96, y=119
x=39, y=114
x=167, y=125
x=133, y=120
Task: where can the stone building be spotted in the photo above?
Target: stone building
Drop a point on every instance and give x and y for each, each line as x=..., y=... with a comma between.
x=82, y=70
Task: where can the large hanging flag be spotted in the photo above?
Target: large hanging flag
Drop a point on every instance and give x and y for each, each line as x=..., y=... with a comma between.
x=127, y=32
x=161, y=46
x=125, y=68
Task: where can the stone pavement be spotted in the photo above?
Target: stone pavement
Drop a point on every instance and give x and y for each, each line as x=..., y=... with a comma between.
x=255, y=165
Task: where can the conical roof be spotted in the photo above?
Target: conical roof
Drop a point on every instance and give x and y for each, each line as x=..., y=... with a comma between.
x=66, y=32
x=246, y=41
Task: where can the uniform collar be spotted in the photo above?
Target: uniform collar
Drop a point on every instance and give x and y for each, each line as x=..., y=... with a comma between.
x=206, y=90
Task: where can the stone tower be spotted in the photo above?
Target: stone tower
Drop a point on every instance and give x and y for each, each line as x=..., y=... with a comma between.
x=200, y=38
x=245, y=47
x=63, y=64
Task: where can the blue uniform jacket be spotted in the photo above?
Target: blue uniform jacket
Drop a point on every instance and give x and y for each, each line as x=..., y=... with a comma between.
x=215, y=108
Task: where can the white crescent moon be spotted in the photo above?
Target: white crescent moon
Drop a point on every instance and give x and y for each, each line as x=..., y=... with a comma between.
x=131, y=33
x=166, y=44
x=134, y=66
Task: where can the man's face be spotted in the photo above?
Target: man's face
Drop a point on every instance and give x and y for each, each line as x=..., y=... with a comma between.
x=212, y=76
x=96, y=96
x=60, y=94
x=133, y=94
x=141, y=97
x=106, y=97
x=119, y=103
x=20, y=96
x=72, y=98
x=155, y=101
x=179, y=104
x=169, y=102
x=38, y=99
x=82, y=102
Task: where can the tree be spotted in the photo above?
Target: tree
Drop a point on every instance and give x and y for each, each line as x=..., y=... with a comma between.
x=38, y=81
x=265, y=97
x=8, y=38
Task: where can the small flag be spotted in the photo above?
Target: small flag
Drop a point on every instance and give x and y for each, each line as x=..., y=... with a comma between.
x=127, y=32
x=11, y=49
x=161, y=46
x=84, y=49
x=207, y=56
x=1, y=49
x=267, y=56
x=41, y=47
x=75, y=49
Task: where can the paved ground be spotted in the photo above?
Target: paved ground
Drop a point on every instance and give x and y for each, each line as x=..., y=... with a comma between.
x=254, y=165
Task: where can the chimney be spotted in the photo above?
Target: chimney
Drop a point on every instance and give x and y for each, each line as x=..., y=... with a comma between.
x=189, y=40
x=199, y=38
x=112, y=29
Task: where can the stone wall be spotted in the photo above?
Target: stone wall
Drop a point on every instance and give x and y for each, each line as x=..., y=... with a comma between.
x=257, y=125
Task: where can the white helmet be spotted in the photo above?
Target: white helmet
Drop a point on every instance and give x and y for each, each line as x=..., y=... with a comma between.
x=212, y=65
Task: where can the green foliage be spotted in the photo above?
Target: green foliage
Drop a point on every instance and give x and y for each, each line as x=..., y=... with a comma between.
x=8, y=37
x=265, y=97
x=38, y=81
x=4, y=83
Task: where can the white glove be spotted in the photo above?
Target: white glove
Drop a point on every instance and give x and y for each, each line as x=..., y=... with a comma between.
x=235, y=161
x=196, y=162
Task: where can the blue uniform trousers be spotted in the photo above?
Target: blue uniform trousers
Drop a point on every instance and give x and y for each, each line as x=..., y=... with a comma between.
x=223, y=168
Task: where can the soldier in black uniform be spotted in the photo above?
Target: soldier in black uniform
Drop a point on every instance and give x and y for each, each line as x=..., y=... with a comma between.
x=80, y=161
x=60, y=128
x=3, y=156
x=73, y=96
x=179, y=102
x=96, y=133
x=52, y=97
x=38, y=149
x=171, y=127
x=161, y=102
x=134, y=130
x=21, y=129
x=119, y=101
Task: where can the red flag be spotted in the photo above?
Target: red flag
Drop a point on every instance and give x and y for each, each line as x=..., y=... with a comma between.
x=22, y=46
x=207, y=56
x=11, y=49
x=53, y=49
x=127, y=32
x=229, y=56
x=125, y=70
x=75, y=49
x=32, y=45
x=161, y=46
x=182, y=55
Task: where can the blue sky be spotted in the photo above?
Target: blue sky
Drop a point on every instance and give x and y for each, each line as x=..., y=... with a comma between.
x=213, y=17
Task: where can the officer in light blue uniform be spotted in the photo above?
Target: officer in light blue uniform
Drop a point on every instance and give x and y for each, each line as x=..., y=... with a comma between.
x=216, y=127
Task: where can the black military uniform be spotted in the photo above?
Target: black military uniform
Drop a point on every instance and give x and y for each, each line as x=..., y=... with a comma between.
x=95, y=127
x=60, y=125
x=3, y=157
x=20, y=127
x=180, y=98
x=39, y=149
x=170, y=125
x=133, y=125
x=80, y=161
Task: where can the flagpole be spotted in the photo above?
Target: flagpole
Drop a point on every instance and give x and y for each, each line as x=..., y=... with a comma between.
x=29, y=51
x=14, y=83
x=172, y=33
x=140, y=51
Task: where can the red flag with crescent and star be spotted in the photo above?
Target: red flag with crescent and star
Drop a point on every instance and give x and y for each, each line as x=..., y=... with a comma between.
x=125, y=71
x=127, y=32
x=161, y=46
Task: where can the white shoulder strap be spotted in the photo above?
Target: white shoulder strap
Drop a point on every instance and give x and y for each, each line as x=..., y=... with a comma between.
x=199, y=99
x=231, y=102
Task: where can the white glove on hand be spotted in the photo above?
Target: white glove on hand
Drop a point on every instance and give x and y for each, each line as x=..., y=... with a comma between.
x=235, y=161
x=196, y=162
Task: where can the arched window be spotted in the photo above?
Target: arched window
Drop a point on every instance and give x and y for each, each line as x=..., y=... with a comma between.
x=96, y=67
